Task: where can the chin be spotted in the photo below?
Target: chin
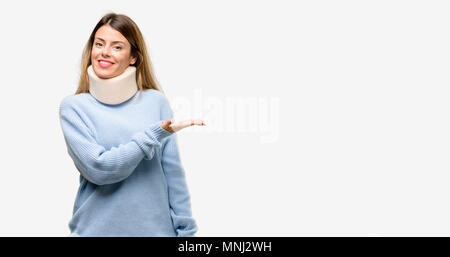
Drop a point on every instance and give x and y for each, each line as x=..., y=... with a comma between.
x=104, y=74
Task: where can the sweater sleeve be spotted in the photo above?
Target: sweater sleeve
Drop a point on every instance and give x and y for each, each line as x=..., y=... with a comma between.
x=179, y=198
x=95, y=163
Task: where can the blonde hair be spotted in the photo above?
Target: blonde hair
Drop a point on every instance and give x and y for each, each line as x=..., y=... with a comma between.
x=145, y=77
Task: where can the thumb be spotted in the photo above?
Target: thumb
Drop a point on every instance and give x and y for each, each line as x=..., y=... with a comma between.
x=166, y=124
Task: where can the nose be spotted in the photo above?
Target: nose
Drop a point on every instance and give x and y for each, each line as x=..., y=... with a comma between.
x=106, y=51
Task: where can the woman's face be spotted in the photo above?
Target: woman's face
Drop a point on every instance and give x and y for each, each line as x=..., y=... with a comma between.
x=113, y=48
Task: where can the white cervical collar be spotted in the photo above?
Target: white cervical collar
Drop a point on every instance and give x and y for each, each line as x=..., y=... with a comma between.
x=113, y=90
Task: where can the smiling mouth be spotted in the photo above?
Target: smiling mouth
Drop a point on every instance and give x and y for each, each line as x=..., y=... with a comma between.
x=104, y=64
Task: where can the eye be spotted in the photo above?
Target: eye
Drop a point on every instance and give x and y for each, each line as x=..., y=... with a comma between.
x=97, y=43
x=118, y=47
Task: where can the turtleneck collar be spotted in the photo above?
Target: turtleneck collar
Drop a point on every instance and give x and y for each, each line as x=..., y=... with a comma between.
x=114, y=90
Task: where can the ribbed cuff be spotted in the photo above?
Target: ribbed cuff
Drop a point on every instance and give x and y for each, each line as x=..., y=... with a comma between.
x=151, y=138
x=157, y=132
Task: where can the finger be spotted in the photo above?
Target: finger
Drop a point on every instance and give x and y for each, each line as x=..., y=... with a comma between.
x=187, y=123
x=197, y=122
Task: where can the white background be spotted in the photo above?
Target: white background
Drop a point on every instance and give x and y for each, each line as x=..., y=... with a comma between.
x=363, y=121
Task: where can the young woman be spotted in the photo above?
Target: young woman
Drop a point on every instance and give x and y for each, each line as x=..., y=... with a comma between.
x=123, y=143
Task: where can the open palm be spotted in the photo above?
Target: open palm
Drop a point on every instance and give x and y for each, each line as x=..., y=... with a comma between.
x=172, y=126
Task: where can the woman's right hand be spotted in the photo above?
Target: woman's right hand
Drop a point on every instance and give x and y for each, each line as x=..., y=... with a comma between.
x=172, y=126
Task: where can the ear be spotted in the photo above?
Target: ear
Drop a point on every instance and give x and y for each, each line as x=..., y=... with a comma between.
x=133, y=60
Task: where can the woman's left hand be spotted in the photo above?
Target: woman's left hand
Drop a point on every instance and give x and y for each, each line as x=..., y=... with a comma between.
x=172, y=126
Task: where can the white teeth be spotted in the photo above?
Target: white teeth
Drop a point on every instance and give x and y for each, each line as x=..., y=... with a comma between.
x=105, y=62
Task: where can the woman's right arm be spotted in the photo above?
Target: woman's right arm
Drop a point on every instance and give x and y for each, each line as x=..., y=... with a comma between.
x=101, y=166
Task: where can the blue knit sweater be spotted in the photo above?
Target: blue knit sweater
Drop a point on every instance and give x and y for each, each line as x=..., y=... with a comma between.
x=132, y=182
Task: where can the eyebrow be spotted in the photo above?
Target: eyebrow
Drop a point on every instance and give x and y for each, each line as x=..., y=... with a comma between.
x=113, y=41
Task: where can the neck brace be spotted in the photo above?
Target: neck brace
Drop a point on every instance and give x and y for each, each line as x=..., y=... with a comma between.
x=113, y=90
